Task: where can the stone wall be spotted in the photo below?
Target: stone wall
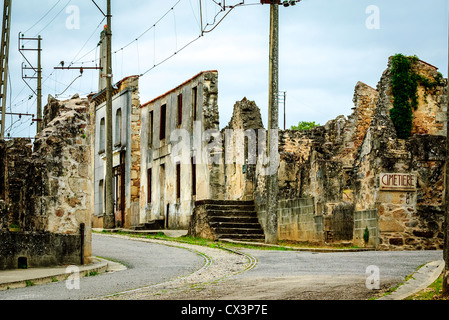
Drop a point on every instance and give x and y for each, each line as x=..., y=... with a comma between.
x=298, y=222
x=407, y=219
x=48, y=190
x=239, y=159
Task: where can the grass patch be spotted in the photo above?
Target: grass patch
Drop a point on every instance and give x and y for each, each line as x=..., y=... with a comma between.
x=432, y=292
x=195, y=241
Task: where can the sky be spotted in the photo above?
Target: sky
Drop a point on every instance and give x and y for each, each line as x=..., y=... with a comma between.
x=325, y=48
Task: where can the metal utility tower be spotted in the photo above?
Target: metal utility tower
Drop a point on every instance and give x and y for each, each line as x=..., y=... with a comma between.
x=36, y=76
x=4, y=63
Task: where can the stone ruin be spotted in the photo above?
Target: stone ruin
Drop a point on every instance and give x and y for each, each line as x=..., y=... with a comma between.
x=329, y=177
x=46, y=194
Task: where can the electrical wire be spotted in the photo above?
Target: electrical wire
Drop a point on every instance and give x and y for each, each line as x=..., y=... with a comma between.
x=51, y=21
x=43, y=17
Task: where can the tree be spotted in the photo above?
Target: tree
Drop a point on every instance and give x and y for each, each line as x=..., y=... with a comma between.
x=305, y=125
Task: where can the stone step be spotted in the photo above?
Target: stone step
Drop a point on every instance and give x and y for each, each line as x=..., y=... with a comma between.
x=242, y=237
x=235, y=225
x=231, y=213
x=150, y=225
x=231, y=219
x=225, y=202
x=213, y=207
x=239, y=231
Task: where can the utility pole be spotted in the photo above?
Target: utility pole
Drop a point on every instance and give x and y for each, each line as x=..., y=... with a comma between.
x=109, y=219
x=272, y=183
x=4, y=55
x=39, y=85
x=271, y=234
x=37, y=71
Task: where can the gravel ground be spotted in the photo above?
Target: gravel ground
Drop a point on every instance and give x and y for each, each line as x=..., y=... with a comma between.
x=220, y=265
x=285, y=275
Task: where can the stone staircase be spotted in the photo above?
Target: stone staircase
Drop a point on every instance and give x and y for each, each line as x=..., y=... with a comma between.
x=235, y=220
x=151, y=225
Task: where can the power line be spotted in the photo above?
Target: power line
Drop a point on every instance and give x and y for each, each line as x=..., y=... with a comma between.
x=51, y=21
x=43, y=16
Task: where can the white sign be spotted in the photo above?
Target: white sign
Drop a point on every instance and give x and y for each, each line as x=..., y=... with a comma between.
x=397, y=182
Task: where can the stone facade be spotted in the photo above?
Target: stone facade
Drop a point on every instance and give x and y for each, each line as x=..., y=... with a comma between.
x=126, y=152
x=48, y=190
x=176, y=141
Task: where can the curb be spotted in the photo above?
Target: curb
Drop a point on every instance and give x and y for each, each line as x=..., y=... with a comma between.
x=420, y=280
x=32, y=277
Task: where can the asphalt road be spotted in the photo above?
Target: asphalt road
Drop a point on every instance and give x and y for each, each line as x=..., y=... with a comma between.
x=277, y=275
x=147, y=264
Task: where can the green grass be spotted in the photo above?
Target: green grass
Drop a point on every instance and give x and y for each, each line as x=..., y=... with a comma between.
x=197, y=241
x=432, y=292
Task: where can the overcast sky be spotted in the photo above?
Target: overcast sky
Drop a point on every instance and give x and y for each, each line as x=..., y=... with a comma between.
x=326, y=46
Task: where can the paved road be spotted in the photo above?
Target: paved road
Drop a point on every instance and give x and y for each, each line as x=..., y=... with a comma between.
x=287, y=275
x=323, y=276
x=148, y=263
x=219, y=274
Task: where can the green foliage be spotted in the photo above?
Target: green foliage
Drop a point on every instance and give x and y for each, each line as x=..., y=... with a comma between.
x=405, y=92
x=404, y=86
x=305, y=125
x=366, y=235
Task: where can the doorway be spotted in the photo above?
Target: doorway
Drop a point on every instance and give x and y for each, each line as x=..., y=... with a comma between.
x=119, y=190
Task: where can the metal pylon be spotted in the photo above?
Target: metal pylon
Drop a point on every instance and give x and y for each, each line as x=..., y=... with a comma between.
x=4, y=54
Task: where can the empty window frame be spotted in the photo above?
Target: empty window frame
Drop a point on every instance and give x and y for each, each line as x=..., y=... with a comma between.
x=193, y=176
x=118, y=127
x=194, y=102
x=180, y=109
x=163, y=122
x=101, y=197
x=102, y=135
x=178, y=180
x=149, y=184
x=150, y=128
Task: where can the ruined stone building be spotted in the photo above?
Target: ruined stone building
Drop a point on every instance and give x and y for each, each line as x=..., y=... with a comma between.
x=352, y=174
x=126, y=152
x=173, y=172
x=46, y=194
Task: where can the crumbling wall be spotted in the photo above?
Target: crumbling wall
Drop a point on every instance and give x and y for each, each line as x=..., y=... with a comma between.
x=48, y=191
x=240, y=138
x=407, y=219
x=339, y=165
x=61, y=166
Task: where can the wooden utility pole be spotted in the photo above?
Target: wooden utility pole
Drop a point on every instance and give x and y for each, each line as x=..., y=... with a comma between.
x=109, y=218
x=4, y=63
x=271, y=232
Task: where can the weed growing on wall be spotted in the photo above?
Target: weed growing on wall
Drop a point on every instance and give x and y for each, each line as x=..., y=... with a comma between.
x=405, y=92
